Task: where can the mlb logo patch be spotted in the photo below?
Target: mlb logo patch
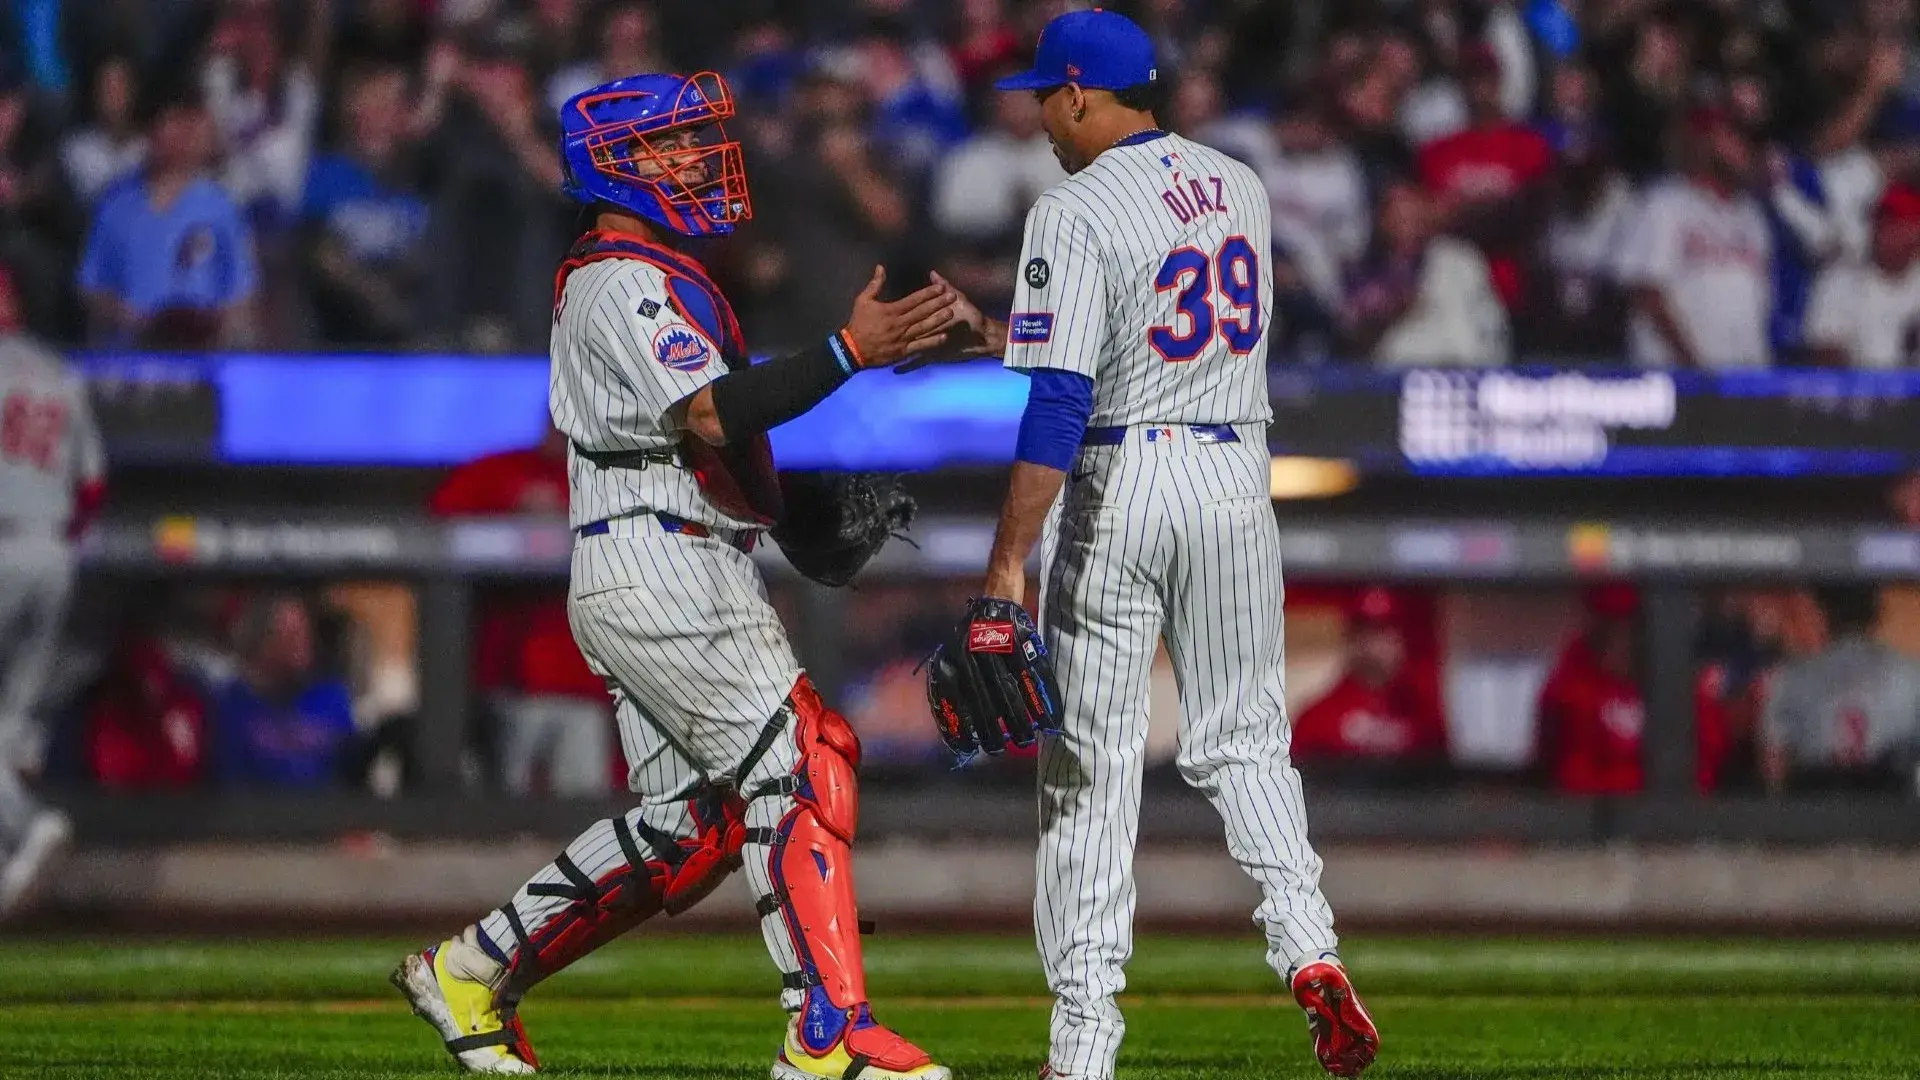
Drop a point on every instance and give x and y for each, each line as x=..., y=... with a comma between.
x=681, y=348
x=994, y=637
x=1029, y=327
x=1159, y=434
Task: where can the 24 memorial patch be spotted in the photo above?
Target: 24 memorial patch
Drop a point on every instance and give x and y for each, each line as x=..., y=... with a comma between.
x=1038, y=273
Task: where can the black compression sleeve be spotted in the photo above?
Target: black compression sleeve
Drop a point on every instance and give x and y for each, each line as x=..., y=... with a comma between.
x=764, y=396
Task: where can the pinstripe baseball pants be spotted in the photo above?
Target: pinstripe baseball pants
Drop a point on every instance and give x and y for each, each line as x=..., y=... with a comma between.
x=1172, y=539
x=697, y=662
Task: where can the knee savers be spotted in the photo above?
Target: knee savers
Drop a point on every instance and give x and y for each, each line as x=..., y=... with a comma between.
x=810, y=859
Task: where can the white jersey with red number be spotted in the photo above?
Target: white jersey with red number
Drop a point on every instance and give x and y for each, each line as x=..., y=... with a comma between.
x=1710, y=256
x=49, y=446
x=1149, y=272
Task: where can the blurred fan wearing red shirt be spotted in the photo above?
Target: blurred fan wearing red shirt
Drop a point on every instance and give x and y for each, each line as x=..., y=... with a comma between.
x=1491, y=178
x=555, y=731
x=145, y=722
x=1591, y=713
x=1386, y=706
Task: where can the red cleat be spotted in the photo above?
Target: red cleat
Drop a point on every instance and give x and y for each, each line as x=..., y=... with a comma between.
x=1344, y=1038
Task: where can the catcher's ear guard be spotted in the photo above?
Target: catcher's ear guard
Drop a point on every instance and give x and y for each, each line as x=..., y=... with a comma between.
x=992, y=684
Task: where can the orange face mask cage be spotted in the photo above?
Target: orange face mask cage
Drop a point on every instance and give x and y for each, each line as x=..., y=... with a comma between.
x=703, y=184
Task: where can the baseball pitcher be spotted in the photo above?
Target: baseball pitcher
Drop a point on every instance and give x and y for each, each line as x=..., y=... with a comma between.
x=1141, y=313
x=52, y=478
x=736, y=758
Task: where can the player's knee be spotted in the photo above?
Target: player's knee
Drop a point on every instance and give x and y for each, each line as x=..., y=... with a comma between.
x=826, y=757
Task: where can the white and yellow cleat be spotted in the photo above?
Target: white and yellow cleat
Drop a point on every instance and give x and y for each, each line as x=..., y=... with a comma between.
x=464, y=1014
x=827, y=1043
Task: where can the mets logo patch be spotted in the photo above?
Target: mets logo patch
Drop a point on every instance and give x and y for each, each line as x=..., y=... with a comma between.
x=1029, y=327
x=990, y=637
x=681, y=348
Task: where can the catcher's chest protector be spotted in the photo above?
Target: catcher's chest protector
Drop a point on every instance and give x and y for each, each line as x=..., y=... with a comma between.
x=738, y=477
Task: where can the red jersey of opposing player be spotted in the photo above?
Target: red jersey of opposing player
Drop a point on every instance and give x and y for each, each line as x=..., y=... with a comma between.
x=1385, y=705
x=526, y=644
x=1592, y=714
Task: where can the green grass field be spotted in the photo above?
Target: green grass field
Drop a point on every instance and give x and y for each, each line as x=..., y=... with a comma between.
x=697, y=1008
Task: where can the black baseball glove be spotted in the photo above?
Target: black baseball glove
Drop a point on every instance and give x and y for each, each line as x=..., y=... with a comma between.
x=992, y=683
x=834, y=522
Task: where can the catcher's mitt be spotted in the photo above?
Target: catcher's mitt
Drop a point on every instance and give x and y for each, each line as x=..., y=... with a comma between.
x=992, y=683
x=834, y=522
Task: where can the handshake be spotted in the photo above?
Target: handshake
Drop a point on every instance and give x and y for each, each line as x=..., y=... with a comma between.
x=934, y=325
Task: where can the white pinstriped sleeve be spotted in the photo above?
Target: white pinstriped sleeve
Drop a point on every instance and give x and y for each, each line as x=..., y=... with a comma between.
x=1059, y=315
x=639, y=332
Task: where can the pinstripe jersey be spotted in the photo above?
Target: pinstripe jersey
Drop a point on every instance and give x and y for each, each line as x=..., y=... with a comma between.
x=624, y=353
x=48, y=442
x=1148, y=272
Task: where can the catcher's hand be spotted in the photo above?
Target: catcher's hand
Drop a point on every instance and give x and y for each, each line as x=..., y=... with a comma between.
x=993, y=683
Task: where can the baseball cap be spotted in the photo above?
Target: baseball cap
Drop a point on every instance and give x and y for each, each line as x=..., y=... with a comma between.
x=1098, y=49
x=1374, y=606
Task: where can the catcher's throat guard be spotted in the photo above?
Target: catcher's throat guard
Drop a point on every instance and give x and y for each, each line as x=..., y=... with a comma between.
x=622, y=143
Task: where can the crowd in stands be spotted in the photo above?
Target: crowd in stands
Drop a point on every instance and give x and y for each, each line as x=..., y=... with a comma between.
x=1725, y=183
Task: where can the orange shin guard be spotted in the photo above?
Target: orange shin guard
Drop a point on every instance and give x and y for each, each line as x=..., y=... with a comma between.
x=811, y=858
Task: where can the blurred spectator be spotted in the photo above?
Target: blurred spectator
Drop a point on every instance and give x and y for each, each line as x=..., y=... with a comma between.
x=282, y=723
x=380, y=32
x=1591, y=715
x=986, y=42
x=826, y=212
x=169, y=262
x=1645, y=64
x=1573, y=307
x=498, y=224
x=1420, y=298
x=915, y=103
x=266, y=104
x=626, y=42
x=111, y=145
x=982, y=190
x=555, y=732
x=1422, y=76
x=39, y=220
x=366, y=222
x=1695, y=260
x=1318, y=194
x=145, y=722
x=1866, y=312
x=1382, y=710
x=1848, y=717
x=1490, y=178
x=1199, y=111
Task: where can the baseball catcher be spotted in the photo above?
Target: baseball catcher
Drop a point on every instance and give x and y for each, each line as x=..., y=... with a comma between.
x=737, y=761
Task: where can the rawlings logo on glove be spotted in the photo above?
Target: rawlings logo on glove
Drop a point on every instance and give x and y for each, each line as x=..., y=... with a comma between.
x=992, y=684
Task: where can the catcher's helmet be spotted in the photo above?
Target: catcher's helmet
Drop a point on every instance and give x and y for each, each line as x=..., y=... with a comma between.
x=608, y=149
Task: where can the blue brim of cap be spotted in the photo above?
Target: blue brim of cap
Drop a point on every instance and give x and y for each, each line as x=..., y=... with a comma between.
x=1028, y=80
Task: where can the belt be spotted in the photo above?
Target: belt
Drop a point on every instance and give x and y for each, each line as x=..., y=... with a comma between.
x=1202, y=433
x=742, y=540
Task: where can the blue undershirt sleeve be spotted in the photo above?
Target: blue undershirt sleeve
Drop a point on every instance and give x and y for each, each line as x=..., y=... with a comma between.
x=1059, y=404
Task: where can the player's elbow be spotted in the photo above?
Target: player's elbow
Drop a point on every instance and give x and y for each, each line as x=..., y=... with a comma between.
x=702, y=419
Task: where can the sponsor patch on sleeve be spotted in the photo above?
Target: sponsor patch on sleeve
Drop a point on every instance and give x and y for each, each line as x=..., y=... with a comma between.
x=681, y=348
x=1029, y=327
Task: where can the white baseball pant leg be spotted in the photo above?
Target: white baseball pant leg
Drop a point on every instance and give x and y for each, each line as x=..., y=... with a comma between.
x=36, y=576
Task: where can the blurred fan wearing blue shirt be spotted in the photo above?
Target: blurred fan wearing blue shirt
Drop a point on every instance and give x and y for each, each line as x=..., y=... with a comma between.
x=366, y=224
x=278, y=723
x=169, y=263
